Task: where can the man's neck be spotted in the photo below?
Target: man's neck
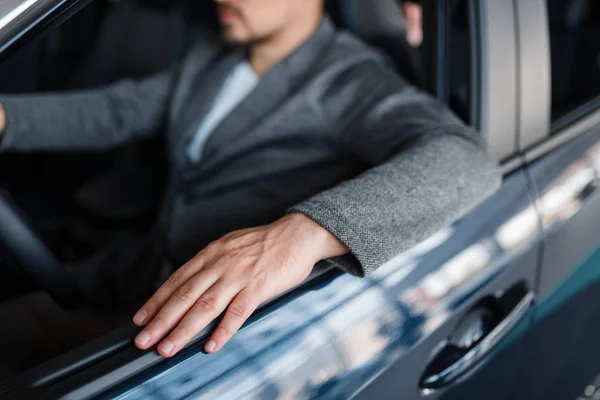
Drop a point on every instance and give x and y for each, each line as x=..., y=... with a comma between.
x=265, y=54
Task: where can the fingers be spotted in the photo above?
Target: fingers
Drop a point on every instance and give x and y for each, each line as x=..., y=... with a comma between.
x=235, y=273
x=240, y=309
x=170, y=287
x=175, y=308
x=208, y=307
x=162, y=295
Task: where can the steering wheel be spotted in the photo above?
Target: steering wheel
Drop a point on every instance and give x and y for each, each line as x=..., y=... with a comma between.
x=32, y=255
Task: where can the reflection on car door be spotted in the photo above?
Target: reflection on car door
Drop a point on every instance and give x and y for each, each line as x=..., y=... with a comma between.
x=564, y=348
x=564, y=351
x=446, y=318
x=494, y=249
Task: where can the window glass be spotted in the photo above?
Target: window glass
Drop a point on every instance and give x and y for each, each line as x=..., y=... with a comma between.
x=446, y=53
x=575, y=54
x=459, y=58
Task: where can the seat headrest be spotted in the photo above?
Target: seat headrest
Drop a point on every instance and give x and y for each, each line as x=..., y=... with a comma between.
x=372, y=19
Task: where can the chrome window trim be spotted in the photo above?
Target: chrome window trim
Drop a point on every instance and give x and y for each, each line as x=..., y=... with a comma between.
x=20, y=19
x=498, y=84
x=10, y=11
x=511, y=165
x=567, y=134
x=533, y=72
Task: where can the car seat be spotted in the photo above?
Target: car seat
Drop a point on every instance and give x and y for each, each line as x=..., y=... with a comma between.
x=136, y=38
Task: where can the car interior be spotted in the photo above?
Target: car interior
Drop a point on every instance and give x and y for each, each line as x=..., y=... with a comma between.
x=576, y=78
x=61, y=208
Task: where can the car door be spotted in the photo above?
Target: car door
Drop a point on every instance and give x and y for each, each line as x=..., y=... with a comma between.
x=446, y=319
x=564, y=165
x=494, y=71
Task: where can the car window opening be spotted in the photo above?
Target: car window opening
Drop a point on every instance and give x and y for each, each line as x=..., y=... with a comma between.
x=92, y=209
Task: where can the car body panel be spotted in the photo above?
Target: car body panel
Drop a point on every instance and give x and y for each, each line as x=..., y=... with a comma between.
x=338, y=334
x=564, y=348
x=568, y=180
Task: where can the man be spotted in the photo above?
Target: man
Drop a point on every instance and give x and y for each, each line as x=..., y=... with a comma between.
x=284, y=120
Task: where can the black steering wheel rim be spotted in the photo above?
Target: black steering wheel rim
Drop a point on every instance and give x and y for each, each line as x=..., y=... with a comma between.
x=34, y=257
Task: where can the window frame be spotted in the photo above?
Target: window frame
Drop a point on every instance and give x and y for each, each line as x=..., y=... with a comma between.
x=443, y=51
x=498, y=89
x=25, y=20
x=579, y=112
x=534, y=27
x=493, y=70
x=534, y=72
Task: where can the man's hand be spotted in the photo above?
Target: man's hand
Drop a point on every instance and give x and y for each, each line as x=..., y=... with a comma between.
x=237, y=272
x=413, y=12
x=2, y=119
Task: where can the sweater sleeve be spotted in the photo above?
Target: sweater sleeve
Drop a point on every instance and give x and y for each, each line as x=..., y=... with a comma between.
x=86, y=120
x=427, y=169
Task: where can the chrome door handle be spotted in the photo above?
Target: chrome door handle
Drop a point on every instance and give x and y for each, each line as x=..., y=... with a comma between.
x=455, y=359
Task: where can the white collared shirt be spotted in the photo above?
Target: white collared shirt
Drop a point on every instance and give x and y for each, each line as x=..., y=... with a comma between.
x=240, y=82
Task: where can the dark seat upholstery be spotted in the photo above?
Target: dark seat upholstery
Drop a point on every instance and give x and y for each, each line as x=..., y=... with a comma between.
x=136, y=38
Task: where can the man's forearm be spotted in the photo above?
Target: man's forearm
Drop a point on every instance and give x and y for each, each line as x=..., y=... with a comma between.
x=95, y=119
x=320, y=241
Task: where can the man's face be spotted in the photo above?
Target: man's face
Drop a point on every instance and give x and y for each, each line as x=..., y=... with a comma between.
x=248, y=21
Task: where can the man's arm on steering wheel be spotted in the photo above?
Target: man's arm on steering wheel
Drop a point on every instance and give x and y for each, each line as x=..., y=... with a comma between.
x=85, y=120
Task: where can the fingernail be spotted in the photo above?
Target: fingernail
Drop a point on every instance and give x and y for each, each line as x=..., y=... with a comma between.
x=210, y=346
x=166, y=347
x=143, y=338
x=140, y=317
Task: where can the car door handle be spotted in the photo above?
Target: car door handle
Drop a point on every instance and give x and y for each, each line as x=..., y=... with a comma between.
x=477, y=334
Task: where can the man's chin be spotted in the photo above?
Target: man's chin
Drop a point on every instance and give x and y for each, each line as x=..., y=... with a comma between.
x=233, y=39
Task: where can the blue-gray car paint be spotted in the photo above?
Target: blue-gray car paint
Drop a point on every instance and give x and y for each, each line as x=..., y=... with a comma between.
x=336, y=336
x=563, y=347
